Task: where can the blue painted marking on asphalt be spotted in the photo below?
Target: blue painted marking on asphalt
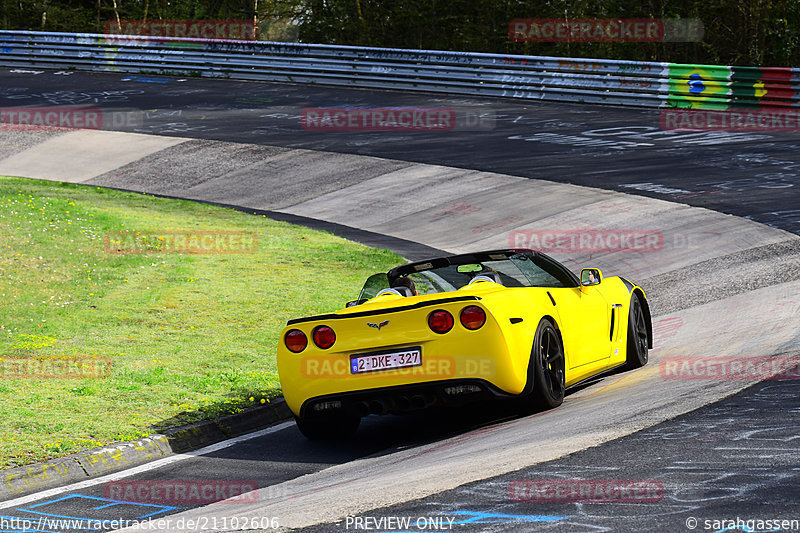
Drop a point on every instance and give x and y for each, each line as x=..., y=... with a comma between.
x=108, y=503
x=11, y=519
x=145, y=80
x=479, y=517
x=82, y=518
x=28, y=531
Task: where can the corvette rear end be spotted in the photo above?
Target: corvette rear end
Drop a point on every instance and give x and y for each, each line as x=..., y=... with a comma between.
x=461, y=328
x=398, y=353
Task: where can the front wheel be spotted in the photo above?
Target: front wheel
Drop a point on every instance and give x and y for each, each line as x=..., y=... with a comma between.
x=547, y=356
x=637, y=335
x=335, y=427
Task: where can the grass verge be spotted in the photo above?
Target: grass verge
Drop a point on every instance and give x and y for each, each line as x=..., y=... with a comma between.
x=170, y=336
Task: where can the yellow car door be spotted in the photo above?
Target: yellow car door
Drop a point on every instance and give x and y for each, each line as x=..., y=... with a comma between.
x=586, y=328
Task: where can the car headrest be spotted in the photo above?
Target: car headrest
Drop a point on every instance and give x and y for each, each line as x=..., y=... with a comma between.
x=404, y=291
x=399, y=291
x=487, y=276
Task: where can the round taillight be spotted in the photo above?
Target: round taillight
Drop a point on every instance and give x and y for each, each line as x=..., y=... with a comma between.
x=473, y=317
x=323, y=336
x=440, y=321
x=295, y=340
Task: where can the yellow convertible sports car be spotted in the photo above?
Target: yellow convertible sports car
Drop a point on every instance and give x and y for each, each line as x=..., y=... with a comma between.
x=456, y=329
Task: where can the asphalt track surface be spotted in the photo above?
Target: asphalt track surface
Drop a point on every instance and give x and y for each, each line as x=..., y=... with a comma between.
x=685, y=463
x=750, y=174
x=736, y=458
x=733, y=459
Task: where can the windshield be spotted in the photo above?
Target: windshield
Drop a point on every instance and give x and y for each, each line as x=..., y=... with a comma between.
x=517, y=270
x=450, y=274
x=374, y=284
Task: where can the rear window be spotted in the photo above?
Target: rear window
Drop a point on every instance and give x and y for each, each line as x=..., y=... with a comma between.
x=514, y=270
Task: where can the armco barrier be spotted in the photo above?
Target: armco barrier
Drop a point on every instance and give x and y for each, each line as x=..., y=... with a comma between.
x=602, y=81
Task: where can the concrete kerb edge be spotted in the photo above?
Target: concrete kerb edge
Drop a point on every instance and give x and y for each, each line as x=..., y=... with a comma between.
x=22, y=480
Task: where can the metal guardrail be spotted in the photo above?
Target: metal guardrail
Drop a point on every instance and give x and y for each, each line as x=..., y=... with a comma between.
x=602, y=81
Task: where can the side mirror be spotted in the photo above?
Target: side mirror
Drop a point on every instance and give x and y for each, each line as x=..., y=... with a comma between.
x=353, y=303
x=589, y=277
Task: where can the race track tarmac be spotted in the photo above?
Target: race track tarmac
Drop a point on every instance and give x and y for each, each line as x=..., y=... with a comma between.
x=733, y=291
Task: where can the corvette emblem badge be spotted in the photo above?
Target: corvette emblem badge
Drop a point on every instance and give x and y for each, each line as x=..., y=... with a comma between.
x=377, y=326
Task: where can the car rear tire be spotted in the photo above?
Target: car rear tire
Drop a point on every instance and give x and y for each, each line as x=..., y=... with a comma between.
x=637, y=335
x=547, y=365
x=334, y=427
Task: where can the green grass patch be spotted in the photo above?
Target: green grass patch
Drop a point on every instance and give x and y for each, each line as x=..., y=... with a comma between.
x=188, y=336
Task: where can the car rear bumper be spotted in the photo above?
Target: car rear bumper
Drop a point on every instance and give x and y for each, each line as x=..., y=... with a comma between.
x=403, y=398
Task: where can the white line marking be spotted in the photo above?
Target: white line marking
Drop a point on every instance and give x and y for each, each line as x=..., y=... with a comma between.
x=22, y=500
x=757, y=448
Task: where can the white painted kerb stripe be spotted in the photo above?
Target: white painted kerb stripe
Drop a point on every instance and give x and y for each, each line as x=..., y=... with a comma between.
x=22, y=500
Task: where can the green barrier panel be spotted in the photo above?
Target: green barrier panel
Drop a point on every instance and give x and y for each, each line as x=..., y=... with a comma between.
x=699, y=86
x=746, y=86
x=765, y=87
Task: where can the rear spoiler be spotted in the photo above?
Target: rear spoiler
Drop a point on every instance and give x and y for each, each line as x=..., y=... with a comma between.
x=418, y=305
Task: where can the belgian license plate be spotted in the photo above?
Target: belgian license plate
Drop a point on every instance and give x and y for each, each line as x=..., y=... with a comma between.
x=375, y=362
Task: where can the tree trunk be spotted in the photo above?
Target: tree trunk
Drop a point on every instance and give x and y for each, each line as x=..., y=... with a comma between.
x=116, y=14
x=44, y=14
x=365, y=36
x=255, y=20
